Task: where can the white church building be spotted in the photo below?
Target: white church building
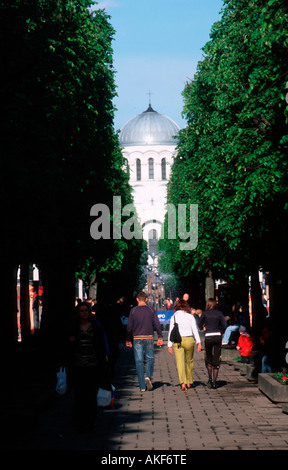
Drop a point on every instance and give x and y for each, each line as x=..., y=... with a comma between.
x=148, y=143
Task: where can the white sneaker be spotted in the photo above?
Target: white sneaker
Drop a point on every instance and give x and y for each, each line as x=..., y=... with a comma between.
x=148, y=383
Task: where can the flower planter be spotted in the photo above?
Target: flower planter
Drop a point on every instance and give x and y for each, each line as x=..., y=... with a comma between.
x=252, y=372
x=229, y=354
x=274, y=390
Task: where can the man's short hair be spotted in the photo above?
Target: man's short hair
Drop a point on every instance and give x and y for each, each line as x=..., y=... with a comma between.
x=142, y=296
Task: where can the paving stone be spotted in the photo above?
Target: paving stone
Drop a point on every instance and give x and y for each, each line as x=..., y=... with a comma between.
x=235, y=416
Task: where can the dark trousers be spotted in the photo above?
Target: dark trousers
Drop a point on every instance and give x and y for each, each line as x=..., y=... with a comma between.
x=85, y=381
x=213, y=350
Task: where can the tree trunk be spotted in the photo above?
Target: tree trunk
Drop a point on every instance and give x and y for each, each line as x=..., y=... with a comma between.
x=8, y=328
x=58, y=277
x=239, y=291
x=278, y=286
x=209, y=286
x=93, y=287
x=259, y=312
x=25, y=305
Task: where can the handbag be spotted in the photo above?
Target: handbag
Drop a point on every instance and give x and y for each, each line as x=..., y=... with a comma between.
x=61, y=382
x=175, y=336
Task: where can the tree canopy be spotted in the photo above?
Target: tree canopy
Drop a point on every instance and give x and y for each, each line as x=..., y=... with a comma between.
x=232, y=158
x=60, y=154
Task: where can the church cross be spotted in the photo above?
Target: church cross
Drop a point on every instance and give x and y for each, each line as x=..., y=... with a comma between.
x=149, y=94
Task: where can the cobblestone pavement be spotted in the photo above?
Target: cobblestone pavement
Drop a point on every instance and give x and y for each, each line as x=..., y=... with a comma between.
x=235, y=416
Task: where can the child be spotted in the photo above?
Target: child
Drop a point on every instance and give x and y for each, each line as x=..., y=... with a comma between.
x=245, y=345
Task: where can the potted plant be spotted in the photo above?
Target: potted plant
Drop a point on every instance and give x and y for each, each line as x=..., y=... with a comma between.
x=274, y=385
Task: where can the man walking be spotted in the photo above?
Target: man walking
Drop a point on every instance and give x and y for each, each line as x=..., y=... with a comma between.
x=141, y=323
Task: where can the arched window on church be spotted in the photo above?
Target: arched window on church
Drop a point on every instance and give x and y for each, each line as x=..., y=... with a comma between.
x=163, y=168
x=138, y=169
x=151, y=168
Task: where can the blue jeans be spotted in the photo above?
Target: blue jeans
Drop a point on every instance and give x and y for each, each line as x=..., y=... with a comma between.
x=266, y=368
x=228, y=332
x=144, y=350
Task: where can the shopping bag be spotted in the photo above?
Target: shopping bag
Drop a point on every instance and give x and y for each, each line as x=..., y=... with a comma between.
x=106, y=398
x=61, y=382
x=103, y=397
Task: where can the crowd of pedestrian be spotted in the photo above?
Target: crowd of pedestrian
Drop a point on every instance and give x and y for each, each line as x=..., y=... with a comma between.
x=97, y=330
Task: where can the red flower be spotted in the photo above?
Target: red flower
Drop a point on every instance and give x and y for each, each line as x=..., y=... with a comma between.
x=284, y=378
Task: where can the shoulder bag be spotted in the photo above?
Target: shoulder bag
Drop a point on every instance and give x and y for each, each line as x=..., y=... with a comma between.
x=175, y=336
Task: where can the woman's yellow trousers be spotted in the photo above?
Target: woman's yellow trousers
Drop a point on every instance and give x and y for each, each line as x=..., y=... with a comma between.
x=184, y=359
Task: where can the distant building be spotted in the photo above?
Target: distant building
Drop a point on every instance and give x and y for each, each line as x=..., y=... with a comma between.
x=149, y=143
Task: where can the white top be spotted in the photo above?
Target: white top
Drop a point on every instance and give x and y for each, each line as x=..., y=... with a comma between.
x=187, y=326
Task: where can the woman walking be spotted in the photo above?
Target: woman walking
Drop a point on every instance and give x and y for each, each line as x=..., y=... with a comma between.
x=184, y=351
x=89, y=366
x=214, y=324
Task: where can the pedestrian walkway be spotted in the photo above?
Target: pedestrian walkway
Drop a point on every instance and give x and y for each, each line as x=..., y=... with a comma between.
x=235, y=416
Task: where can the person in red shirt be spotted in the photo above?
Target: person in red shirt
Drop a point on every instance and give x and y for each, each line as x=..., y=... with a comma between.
x=245, y=345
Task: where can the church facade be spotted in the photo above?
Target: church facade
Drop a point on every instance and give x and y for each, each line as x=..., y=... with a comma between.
x=148, y=143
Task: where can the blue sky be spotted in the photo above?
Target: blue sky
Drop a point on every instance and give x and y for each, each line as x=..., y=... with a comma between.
x=157, y=46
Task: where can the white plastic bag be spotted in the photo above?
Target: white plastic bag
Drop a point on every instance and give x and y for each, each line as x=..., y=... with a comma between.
x=61, y=383
x=104, y=397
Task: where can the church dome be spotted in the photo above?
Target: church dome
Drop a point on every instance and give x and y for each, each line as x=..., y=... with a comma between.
x=149, y=128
